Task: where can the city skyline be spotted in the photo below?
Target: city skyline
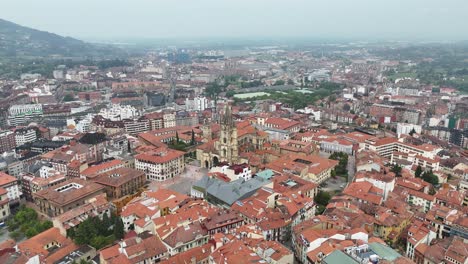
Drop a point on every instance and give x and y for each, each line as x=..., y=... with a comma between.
x=208, y=19
x=233, y=131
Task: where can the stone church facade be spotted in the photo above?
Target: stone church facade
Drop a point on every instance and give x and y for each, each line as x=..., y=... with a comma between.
x=233, y=139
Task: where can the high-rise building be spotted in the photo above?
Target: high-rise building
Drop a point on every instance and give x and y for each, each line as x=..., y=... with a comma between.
x=7, y=141
x=22, y=114
x=25, y=135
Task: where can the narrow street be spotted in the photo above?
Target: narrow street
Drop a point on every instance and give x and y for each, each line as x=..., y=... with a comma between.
x=351, y=167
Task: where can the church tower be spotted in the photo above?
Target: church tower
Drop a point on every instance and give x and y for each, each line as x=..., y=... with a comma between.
x=206, y=131
x=228, y=148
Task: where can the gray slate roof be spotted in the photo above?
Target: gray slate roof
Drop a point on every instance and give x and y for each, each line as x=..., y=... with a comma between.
x=230, y=192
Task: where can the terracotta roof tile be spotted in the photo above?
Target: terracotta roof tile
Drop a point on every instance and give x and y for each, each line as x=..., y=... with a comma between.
x=118, y=177
x=159, y=158
x=96, y=169
x=6, y=179
x=198, y=254
x=364, y=191
x=37, y=245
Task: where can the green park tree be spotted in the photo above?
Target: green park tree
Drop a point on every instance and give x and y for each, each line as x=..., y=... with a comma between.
x=418, y=171
x=430, y=177
x=322, y=198
x=119, y=228
x=396, y=169
x=192, y=141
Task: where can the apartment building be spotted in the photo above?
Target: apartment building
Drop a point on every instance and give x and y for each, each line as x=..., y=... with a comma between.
x=162, y=165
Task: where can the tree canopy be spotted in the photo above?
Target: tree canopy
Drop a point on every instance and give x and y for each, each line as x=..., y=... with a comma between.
x=279, y=82
x=396, y=169
x=342, y=158
x=322, y=199
x=430, y=177
x=26, y=222
x=418, y=171
x=296, y=99
x=213, y=90
x=98, y=232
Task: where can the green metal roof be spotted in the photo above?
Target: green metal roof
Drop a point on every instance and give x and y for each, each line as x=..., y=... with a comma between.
x=266, y=174
x=384, y=251
x=338, y=257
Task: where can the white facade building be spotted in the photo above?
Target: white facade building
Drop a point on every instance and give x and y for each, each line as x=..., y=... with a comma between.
x=84, y=124
x=423, y=200
x=134, y=127
x=197, y=104
x=234, y=172
x=58, y=74
x=332, y=145
x=196, y=193
x=47, y=171
x=434, y=121
x=119, y=112
x=314, y=113
x=169, y=119
x=360, y=89
x=23, y=136
x=14, y=192
x=19, y=114
x=161, y=166
x=405, y=129
x=10, y=184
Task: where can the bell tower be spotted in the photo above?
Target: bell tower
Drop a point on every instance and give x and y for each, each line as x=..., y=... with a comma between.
x=206, y=131
x=228, y=148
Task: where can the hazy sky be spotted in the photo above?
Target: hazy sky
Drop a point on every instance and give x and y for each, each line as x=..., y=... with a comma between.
x=366, y=19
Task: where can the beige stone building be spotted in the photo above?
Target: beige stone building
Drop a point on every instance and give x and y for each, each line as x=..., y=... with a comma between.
x=66, y=196
x=233, y=140
x=4, y=205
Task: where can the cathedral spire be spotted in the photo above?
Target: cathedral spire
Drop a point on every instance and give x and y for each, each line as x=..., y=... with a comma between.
x=227, y=118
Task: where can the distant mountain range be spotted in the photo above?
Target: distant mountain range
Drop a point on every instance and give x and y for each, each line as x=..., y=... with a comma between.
x=19, y=41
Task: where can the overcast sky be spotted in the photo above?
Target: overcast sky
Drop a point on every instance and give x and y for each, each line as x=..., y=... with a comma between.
x=361, y=19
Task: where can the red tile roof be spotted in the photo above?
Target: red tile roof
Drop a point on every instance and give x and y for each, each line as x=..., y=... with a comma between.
x=197, y=254
x=118, y=177
x=37, y=246
x=159, y=158
x=422, y=195
x=364, y=191
x=64, y=198
x=185, y=234
x=3, y=191
x=96, y=169
x=6, y=179
x=385, y=141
